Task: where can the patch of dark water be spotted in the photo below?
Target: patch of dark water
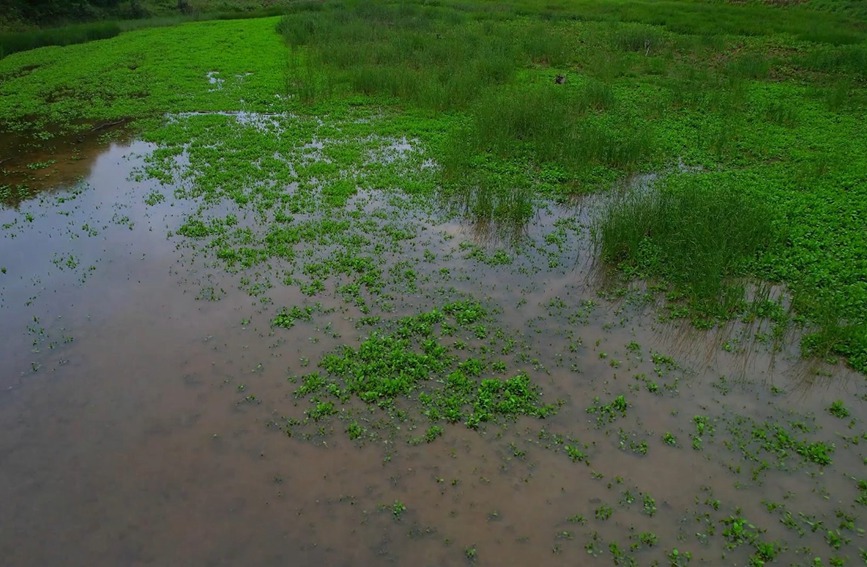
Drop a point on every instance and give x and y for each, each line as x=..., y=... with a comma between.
x=137, y=416
x=31, y=164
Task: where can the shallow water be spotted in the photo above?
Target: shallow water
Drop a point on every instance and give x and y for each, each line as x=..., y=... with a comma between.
x=142, y=387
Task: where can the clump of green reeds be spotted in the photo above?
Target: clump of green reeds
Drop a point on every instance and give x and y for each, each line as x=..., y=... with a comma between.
x=750, y=66
x=700, y=238
x=849, y=59
x=498, y=207
x=782, y=113
x=547, y=123
x=429, y=55
x=639, y=38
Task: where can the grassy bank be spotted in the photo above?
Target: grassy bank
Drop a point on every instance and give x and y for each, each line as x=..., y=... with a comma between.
x=24, y=36
x=144, y=74
x=751, y=115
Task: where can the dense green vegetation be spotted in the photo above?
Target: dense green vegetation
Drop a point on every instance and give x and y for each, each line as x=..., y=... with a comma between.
x=750, y=114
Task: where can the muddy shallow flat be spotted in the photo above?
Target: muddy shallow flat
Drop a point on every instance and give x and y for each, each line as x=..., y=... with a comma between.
x=150, y=410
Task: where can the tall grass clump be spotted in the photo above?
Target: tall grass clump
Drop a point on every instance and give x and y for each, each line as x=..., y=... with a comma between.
x=547, y=124
x=537, y=120
x=839, y=95
x=750, y=66
x=849, y=59
x=596, y=95
x=430, y=56
x=699, y=238
x=833, y=336
x=543, y=43
x=782, y=113
x=639, y=38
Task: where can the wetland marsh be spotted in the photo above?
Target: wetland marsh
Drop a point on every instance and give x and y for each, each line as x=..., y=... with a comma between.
x=372, y=283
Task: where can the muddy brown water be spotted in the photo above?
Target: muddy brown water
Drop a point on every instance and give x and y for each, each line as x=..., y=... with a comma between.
x=125, y=438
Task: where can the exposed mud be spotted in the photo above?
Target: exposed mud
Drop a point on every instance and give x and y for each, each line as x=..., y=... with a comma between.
x=145, y=394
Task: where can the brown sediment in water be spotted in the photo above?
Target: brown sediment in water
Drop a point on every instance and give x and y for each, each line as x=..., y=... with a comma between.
x=128, y=434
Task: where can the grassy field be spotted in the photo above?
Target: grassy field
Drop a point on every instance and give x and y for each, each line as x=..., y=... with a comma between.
x=739, y=108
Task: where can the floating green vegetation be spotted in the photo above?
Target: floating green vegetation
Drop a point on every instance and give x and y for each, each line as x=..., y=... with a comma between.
x=838, y=409
x=778, y=441
x=287, y=317
x=412, y=373
x=610, y=412
x=397, y=509
x=576, y=453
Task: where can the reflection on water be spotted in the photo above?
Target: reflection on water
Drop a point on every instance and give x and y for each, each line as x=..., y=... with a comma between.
x=492, y=211
x=29, y=165
x=136, y=417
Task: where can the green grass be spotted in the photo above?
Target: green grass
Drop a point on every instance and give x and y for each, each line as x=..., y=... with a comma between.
x=142, y=74
x=547, y=124
x=700, y=237
x=426, y=55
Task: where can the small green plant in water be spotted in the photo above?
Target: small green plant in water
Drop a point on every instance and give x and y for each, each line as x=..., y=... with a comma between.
x=607, y=413
x=837, y=409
